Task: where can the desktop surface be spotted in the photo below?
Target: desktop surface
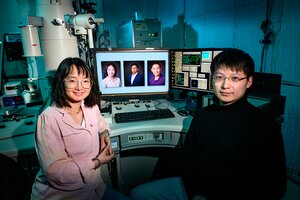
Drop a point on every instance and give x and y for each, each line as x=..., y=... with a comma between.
x=177, y=123
x=17, y=130
x=17, y=137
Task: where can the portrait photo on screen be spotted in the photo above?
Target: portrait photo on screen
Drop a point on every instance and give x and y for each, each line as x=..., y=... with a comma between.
x=134, y=73
x=111, y=74
x=156, y=72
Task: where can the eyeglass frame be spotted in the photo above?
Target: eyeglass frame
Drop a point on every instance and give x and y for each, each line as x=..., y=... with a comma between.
x=77, y=81
x=229, y=78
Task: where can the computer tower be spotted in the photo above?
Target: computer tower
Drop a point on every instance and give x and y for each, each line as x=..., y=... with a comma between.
x=140, y=34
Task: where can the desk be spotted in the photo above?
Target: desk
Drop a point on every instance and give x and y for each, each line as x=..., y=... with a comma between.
x=177, y=124
x=17, y=138
x=18, y=142
x=17, y=134
x=159, y=137
x=138, y=146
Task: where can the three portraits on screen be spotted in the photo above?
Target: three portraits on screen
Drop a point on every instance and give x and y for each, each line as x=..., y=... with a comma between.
x=134, y=73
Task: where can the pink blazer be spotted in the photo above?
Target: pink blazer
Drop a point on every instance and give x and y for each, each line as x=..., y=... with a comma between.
x=65, y=151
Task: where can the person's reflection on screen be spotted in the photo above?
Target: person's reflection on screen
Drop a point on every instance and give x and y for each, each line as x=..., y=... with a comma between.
x=111, y=80
x=156, y=77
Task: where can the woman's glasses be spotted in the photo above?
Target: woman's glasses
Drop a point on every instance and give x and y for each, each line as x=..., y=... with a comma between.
x=72, y=83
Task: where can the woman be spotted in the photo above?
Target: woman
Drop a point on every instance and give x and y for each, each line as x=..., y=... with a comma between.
x=72, y=139
x=156, y=77
x=110, y=79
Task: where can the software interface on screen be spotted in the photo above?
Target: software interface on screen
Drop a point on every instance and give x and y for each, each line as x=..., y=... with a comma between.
x=132, y=72
x=191, y=68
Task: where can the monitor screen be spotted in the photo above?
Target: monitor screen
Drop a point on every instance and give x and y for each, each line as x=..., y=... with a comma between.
x=266, y=85
x=190, y=68
x=132, y=73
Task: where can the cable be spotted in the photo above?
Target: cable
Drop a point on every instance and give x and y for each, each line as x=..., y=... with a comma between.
x=267, y=34
x=262, y=59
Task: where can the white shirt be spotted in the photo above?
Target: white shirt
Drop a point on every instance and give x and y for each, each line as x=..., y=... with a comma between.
x=107, y=82
x=133, y=77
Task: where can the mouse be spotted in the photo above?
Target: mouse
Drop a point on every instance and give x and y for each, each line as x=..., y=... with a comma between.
x=182, y=112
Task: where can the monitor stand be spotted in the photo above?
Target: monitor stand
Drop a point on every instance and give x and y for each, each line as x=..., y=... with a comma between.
x=132, y=106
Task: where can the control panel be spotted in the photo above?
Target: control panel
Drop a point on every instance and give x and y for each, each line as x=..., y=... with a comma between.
x=11, y=101
x=145, y=137
x=17, y=121
x=140, y=34
x=115, y=143
x=132, y=106
x=17, y=127
x=154, y=138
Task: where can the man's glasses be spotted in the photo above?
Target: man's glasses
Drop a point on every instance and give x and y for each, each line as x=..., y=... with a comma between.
x=233, y=79
x=72, y=83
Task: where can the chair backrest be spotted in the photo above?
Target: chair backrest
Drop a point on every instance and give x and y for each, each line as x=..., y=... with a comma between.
x=13, y=179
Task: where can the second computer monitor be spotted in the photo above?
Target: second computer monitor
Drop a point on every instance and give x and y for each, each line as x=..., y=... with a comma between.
x=190, y=68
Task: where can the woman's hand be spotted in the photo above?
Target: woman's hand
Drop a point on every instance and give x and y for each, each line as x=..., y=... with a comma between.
x=104, y=140
x=106, y=154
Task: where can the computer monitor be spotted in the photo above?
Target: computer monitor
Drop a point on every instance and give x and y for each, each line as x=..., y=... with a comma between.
x=190, y=68
x=265, y=85
x=123, y=62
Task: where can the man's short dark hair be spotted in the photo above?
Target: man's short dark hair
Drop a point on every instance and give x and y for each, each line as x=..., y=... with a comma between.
x=135, y=65
x=235, y=60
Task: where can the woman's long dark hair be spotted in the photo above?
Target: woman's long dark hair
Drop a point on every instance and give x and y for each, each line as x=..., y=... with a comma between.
x=58, y=92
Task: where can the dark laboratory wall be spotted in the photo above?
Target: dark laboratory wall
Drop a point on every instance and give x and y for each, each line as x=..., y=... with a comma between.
x=11, y=12
x=13, y=66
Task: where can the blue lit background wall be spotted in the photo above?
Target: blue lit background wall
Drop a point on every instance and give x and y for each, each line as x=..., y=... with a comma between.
x=237, y=24
x=212, y=23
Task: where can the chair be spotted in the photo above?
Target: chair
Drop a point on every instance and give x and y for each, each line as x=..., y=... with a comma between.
x=13, y=179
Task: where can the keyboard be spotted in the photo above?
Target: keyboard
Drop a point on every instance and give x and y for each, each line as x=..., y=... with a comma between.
x=143, y=115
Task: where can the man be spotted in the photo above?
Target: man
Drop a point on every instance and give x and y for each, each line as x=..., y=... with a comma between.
x=232, y=150
x=135, y=78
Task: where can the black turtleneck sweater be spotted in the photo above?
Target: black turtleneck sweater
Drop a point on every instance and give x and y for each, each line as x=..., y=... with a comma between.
x=234, y=152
